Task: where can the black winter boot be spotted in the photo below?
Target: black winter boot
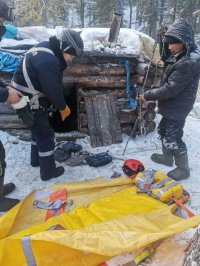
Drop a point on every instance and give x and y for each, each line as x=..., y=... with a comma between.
x=166, y=158
x=58, y=172
x=5, y=203
x=8, y=188
x=181, y=160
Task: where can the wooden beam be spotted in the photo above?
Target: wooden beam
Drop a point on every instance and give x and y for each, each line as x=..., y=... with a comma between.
x=97, y=70
x=94, y=82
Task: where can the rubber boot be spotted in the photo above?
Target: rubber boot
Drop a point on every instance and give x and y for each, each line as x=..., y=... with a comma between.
x=166, y=158
x=34, y=155
x=5, y=203
x=182, y=171
x=57, y=172
x=8, y=188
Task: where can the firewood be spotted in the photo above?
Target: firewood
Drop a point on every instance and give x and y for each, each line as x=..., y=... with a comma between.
x=192, y=254
x=127, y=116
x=94, y=82
x=11, y=121
x=97, y=70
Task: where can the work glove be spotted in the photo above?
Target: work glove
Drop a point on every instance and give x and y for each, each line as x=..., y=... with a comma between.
x=24, y=111
x=65, y=113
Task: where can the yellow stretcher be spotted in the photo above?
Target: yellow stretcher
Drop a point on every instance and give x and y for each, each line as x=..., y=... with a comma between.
x=107, y=218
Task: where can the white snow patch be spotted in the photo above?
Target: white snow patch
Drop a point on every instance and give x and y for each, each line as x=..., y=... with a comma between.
x=28, y=179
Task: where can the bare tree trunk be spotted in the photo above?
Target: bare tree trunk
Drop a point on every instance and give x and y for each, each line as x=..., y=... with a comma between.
x=82, y=13
x=175, y=10
x=153, y=17
x=44, y=13
x=162, y=5
x=192, y=256
x=131, y=13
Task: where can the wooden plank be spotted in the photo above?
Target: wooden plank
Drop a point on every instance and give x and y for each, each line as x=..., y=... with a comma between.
x=97, y=70
x=92, y=122
x=11, y=121
x=103, y=121
x=6, y=108
x=114, y=120
x=127, y=116
x=93, y=82
x=83, y=120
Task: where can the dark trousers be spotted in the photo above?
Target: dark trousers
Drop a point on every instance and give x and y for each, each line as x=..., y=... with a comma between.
x=2, y=167
x=42, y=144
x=171, y=133
x=2, y=159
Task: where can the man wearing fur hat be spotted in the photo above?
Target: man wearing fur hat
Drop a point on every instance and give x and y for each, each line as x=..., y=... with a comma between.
x=176, y=95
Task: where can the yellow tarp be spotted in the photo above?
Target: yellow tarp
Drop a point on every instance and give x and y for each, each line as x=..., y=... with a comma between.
x=108, y=218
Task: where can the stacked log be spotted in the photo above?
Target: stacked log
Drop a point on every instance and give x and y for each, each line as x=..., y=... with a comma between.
x=192, y=253
x=104, y=78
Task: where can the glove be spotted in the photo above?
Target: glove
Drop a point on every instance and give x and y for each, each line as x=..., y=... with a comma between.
x=65, y=113
x=24, y=111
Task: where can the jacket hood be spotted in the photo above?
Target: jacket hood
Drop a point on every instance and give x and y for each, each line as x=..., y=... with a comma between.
x=182, y=31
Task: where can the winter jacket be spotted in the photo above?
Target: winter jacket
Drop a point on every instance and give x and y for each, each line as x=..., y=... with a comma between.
x=3, y=91
x=179, y=84
x=45, y=72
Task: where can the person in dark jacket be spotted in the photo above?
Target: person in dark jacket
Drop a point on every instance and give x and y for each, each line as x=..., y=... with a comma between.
x=39, y=76
x=12, y=96
x=176, y=95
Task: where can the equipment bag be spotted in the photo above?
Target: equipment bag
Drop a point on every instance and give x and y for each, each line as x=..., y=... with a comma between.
x=159, y=186
x=100, y=159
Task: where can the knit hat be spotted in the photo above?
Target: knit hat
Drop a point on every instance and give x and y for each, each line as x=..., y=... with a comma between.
x=172, y=40
x=71, y=42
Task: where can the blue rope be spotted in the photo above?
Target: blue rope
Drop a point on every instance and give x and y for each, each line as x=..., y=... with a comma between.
x=131, y=102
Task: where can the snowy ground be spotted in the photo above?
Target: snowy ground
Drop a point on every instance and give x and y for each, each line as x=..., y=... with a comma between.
x=27, y=178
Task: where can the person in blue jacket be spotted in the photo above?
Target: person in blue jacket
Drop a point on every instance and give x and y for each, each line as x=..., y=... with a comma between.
x=176, y=95
x=39, y=76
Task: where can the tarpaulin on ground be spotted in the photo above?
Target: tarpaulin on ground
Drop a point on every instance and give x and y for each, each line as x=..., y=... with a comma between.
x=107, y=218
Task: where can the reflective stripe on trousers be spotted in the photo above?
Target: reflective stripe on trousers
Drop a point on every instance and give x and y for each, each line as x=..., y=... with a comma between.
x=42, y=154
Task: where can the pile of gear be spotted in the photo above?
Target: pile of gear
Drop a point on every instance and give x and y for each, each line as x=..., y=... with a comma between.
x=157, y=185
x=72, y=154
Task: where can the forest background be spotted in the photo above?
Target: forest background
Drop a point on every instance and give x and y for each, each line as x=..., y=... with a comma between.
x=144, y=15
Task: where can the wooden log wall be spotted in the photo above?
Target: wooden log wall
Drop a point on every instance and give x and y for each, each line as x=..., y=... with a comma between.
x=106, y=78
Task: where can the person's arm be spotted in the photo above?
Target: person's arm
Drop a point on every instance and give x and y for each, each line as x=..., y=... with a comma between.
x=3, y=94
x=50, y=80
x=9, y=94
x=51, y=84
x=3, y=91
x=179, y=79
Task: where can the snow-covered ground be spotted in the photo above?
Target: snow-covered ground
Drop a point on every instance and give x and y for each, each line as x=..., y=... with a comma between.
x=28, y=179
